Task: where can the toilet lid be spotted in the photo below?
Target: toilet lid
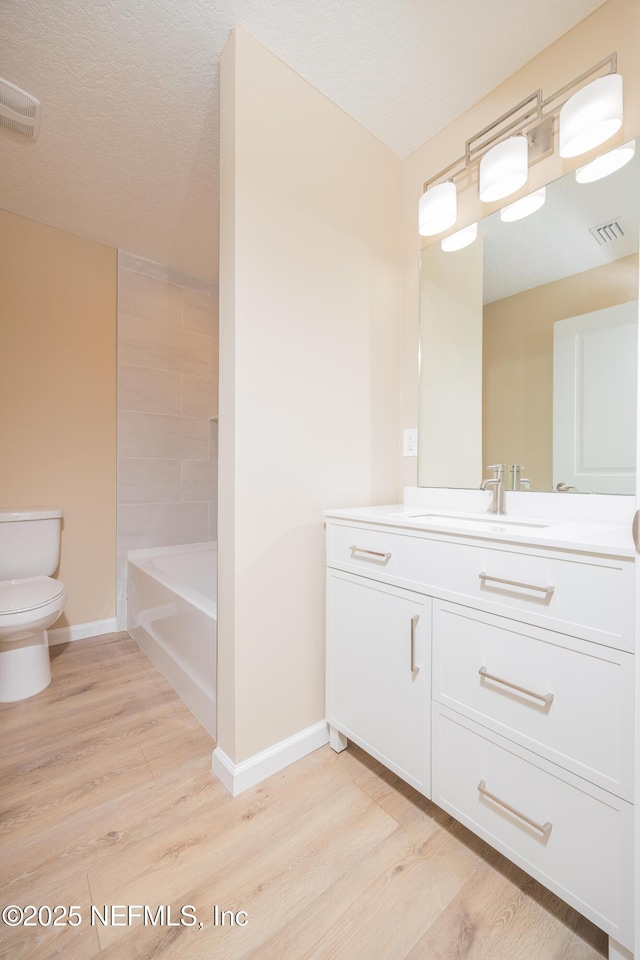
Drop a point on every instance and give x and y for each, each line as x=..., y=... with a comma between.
x=29, y=594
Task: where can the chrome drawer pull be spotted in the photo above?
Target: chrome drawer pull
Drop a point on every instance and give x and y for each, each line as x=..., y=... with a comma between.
x=635, y=530
x=371, y=553
x=485, y=577
x=544, y=828
x=414, y=624
x=545, y=697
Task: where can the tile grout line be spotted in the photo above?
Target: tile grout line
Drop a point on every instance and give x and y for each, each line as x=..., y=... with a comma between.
x=141, y=366
x=194, y=285
x=165, y=326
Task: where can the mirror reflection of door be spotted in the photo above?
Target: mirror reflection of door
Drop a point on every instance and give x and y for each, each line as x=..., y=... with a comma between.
x=575, y=255
x=594, y=400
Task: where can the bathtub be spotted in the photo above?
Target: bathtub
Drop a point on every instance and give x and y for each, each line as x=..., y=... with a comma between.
x=172, y=614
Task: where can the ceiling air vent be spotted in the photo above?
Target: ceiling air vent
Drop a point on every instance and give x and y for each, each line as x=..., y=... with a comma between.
x=19, y=111
x=608, y=232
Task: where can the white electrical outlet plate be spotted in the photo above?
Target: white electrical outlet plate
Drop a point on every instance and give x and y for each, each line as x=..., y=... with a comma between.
x=410, y=442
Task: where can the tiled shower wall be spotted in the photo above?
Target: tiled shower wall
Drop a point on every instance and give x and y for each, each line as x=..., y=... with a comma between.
x=167, y=409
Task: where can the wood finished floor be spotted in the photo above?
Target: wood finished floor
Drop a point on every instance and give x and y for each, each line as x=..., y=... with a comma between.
x=107, y=798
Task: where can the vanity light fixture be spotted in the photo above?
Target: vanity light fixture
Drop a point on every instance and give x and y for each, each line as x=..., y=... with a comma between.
x=504, y=169
x=438, y=209
x=458, y=241
x=587, y=110
x=606, y=164
x=591, y=116
x=524, y=206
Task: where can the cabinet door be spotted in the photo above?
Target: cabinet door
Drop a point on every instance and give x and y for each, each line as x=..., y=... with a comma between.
x=376, y=634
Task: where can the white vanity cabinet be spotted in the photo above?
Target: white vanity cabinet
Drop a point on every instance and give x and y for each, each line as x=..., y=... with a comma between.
x=518, y=715
x=378, y=666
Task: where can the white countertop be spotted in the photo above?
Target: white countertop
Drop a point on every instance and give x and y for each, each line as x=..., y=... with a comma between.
x=601, y=536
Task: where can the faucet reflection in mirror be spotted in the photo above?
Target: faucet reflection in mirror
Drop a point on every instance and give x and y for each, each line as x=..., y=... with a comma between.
x=591, y=115
x=529, y=333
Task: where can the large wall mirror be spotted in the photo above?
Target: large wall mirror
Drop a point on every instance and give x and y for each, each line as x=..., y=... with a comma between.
x=528, y=344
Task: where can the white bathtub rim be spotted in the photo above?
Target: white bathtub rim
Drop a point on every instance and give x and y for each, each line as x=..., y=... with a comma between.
x=143, y=561
x=176, y=548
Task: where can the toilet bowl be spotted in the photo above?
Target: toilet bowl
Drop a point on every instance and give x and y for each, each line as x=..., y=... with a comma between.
x=30, y=600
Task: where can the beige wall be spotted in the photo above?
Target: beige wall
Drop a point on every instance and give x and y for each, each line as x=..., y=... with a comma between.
x=451, y=368
x=518, y=362
x=309, y=311
x=613, y=26
x=167, y=402
x=58, y=399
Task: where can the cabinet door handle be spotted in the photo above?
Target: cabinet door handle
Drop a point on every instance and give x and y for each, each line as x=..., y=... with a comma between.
x=545, y=697
x=414, y=624
x=371, y=553
x=544, y=828
x=635, y=530
x=485, y=577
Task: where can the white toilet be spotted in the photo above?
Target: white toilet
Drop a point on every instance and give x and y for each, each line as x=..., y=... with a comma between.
x=30, y=600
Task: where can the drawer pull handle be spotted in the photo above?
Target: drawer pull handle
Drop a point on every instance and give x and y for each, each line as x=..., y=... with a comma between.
x=371, y=553
x=544, y=828
x=635, y=530
x=414, y=624
x=544, y=697
x=485, y=577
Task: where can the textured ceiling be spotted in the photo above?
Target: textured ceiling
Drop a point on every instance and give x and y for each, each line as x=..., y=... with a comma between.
x=556, y=241
x=128, y=149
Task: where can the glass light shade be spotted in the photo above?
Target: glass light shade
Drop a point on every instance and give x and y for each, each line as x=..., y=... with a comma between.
x=438, y=209
x=504, y=169
x=606, y=164
x=523, y=207
x=591, y=116
x=459, y=240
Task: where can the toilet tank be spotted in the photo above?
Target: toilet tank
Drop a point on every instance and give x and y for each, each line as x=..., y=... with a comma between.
x=29, y=543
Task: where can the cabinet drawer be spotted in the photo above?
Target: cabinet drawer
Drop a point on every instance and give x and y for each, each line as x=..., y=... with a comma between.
x=590, y=597
x=574, y=838
x=566, y=699
x=394, y=557
x=584, y=596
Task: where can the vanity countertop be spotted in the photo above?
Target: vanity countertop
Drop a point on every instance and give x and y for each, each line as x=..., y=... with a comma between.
x=604, y=537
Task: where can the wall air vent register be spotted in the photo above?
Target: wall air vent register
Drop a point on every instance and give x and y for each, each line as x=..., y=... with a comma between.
x=19, y=111
x=608, y=231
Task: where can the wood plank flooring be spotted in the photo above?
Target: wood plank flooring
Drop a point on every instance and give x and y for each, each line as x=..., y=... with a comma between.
x=107, y=798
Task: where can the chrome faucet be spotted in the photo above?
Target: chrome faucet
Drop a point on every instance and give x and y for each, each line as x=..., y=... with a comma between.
x=516, y=480
x=496, y=485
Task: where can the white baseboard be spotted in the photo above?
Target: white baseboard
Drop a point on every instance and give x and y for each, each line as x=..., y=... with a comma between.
x=81, y=631
x=238, y=777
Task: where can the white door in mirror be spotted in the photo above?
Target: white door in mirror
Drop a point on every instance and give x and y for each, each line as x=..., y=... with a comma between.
x=594, y=400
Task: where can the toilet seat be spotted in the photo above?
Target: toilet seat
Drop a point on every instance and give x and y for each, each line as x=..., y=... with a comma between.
x=30, y=594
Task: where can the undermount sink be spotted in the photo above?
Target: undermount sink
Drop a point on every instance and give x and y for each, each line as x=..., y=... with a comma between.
x=489, y=522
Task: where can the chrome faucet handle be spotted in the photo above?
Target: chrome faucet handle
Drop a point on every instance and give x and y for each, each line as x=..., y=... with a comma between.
x=499, y=469
x=525, y=484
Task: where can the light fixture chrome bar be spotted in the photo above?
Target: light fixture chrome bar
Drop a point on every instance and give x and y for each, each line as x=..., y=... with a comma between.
x=527, y=123
x=611, y=61
x=534, y=113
